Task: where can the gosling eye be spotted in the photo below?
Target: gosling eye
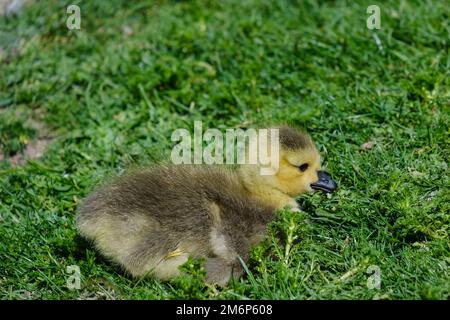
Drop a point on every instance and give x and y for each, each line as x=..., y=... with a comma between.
x=303, y=167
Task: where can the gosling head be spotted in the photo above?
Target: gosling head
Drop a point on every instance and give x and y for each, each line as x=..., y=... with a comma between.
x=299, y=169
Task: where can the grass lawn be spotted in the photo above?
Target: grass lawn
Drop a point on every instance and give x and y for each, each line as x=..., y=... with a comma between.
x=109, y=96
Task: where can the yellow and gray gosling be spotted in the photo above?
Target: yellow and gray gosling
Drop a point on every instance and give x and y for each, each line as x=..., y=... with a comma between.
x=151, y=221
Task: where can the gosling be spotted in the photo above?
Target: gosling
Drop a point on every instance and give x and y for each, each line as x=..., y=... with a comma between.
x=150, y=221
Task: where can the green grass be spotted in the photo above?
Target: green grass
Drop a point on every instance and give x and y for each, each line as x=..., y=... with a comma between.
x=112, y=99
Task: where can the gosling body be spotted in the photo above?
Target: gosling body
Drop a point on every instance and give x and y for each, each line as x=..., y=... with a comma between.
x=150, y=221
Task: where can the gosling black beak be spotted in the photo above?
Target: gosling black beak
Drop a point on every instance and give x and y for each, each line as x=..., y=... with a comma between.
x=325, y=183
